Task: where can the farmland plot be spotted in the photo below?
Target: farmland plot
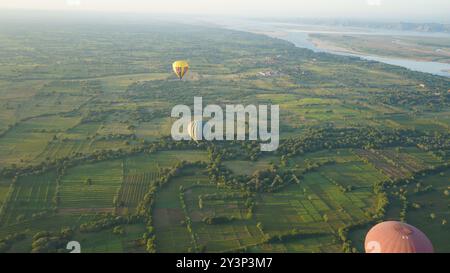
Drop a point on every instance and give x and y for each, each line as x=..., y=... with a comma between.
x=28, y=197
x=91, y=186
x=134, y=188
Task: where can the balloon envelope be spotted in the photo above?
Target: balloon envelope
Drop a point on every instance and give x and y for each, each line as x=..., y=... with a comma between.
x=397, y=237
x=199, y=130
x=180, y=68
x=195, y=129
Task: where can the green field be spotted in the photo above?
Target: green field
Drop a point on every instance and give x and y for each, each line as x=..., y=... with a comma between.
x=434, y=49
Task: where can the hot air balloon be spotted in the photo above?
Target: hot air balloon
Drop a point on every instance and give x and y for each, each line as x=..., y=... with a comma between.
x=198, y=130
x=180, y=68
x=397, y=237
x=195, y=130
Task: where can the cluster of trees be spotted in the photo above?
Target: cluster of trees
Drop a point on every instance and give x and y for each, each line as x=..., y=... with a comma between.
x=435, y=100
x=342, y=188
x=270, y=180
x=119, y=230
x=109, y=221
x=146, y=115
x=381, y=200
x=346, y=243
x=99, y=155
x=187, y=219
x=419, y=189
x=217, y=220
x=432, y=170
x=311, y=140
x=47, y=242
x=367, y=137
x=7, y=242
x=42, y=214
x=275, y=178
x=96, y=156
x=292, y=235
x=145, y=207
x=342, y=234
x=127, y=137
x=15, y=171
x=247, y=196
x=144, y=210
x=402, y=192
x=224, y=196
x=403, y=196
x=96, y=116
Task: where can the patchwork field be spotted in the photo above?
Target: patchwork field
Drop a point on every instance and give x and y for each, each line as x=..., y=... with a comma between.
x=91, y=186
x=305, y=205
x=191, y=199
x=429, y=207
x=398, y=164
x=29, y=197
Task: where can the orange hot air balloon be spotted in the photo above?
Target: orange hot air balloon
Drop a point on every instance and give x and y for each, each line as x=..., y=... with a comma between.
x=180, y=68
x=397, y=237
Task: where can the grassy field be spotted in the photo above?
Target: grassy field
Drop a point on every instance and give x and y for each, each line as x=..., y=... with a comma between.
x=433, y=210
x=142, y=171
x=108, y=242
x=170, y=217
x=427, y=208
x=304, y=205
x=28, y=197
x=245, y=167
x=91, y=186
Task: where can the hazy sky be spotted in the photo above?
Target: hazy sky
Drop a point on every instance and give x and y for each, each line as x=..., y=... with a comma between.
x=412, y=10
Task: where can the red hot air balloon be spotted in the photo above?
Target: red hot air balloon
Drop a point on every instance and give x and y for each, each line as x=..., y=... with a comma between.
x=397, y=237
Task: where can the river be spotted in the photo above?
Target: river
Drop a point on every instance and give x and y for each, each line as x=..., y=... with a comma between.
x=299, y=36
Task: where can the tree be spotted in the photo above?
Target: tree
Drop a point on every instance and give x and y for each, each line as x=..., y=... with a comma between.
x=119, y=230
x=259, y=225
x=88, y=181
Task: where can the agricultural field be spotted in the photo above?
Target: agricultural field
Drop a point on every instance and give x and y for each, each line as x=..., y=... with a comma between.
x=193, y=197
x=64, y=148
x=155, y=129
x=399, y=163
x=4, y=189
x=86, y=152
x=92, y=186
x=245, y=167
x=29, y=197
x=317, y=203
x=142, y=171
x=428, y=201
x=108, y=242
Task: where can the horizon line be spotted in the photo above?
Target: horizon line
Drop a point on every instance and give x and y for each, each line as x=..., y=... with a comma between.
x=235, y=16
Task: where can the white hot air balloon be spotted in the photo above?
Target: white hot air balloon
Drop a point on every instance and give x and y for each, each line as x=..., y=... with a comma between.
x=199, y=130
x=195, y=130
